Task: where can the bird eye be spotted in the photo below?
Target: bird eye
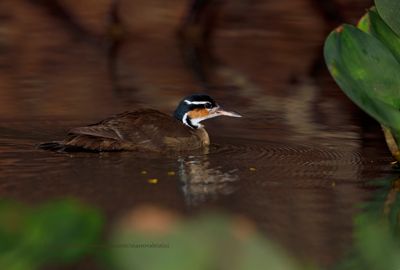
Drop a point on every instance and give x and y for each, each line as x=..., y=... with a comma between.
x=208, y=105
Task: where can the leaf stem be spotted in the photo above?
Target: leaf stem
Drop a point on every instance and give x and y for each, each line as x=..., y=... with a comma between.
x=391, y=142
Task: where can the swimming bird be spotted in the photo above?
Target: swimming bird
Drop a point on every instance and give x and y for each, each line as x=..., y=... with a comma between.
x=146, y=129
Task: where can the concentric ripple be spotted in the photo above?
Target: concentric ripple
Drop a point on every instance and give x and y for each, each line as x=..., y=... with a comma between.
x=291, y=159
x=303, y=153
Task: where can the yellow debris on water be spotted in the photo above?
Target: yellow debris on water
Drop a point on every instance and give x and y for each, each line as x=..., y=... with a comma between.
x=333, y=184
x=252, y=169
x=171, y=173
x=143, y=172
x=153, y=181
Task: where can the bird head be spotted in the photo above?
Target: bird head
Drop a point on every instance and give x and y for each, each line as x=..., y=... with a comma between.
x=199, y=107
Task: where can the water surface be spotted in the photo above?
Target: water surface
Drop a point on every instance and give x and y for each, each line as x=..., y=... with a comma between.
x=297, y=163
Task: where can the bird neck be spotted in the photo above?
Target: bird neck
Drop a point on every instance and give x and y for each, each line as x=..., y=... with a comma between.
x=203, y=136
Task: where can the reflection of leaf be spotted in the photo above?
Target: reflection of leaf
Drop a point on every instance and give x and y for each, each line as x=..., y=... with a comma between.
x=57, y=232
x=385, y=203
x=376, y=231
x=375, y=244
x=206, y=242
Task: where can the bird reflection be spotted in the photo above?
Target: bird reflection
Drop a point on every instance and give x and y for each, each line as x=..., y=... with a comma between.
x=202, y=183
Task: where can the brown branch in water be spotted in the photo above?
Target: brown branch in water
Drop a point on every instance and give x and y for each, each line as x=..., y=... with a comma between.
x=329, y=11
x=58, y=11
x=116, y=34
x=116, y=31
x=331, y=16
x=111, y=41
x=115, y=39
x=203, y=13
x=195, y=37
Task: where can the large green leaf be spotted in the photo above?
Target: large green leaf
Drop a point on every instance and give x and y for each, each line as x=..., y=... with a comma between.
x=390, y=10
x=373, y=24
x=367, y=72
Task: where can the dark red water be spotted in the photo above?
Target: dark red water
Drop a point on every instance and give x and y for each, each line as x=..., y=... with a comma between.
x=296, y=163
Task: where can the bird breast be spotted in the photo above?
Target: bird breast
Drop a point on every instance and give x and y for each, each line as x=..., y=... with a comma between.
x=203, y=135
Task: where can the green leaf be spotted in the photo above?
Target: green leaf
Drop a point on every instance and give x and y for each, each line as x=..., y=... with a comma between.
x=373, y=24
x=389, y=11
x=13, y=216
x=364, y=23
x=56, y=232
x=62, y=231
x=367, y=72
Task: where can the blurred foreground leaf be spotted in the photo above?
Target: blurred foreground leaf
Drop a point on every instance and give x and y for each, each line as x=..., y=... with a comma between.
x=206, y=242
x=56, y=232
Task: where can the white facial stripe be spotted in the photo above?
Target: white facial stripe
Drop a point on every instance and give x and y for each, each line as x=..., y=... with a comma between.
x=184, y=120
x=196, y=102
